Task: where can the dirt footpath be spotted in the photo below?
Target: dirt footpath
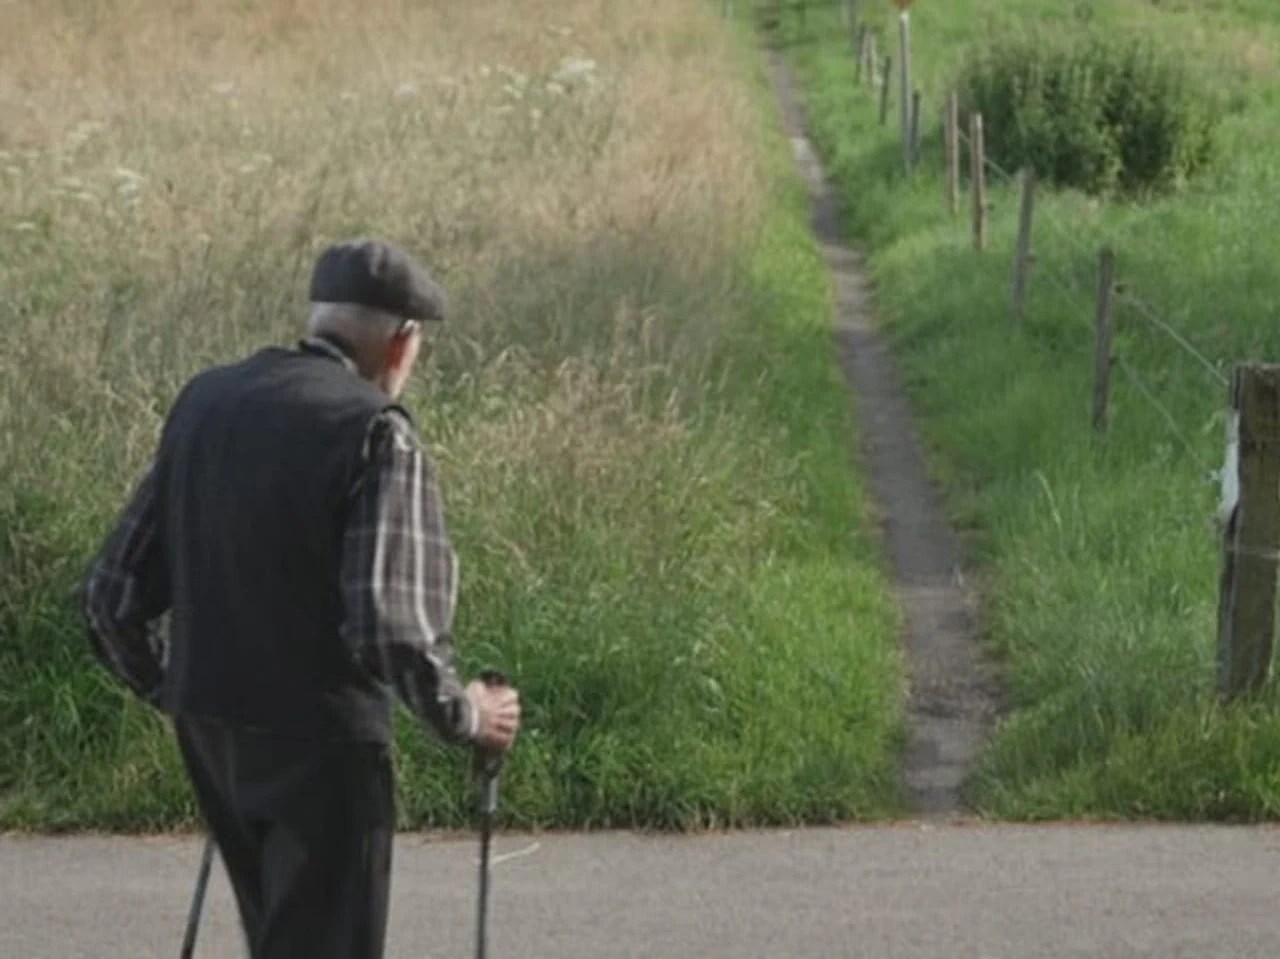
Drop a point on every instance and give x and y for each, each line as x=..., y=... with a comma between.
x=951, y=697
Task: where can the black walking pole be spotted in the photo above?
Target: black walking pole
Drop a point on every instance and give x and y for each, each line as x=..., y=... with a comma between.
x=197, y=901
x=489, y=767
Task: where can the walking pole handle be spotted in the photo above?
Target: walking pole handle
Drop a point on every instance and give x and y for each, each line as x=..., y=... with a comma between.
x=489, y=763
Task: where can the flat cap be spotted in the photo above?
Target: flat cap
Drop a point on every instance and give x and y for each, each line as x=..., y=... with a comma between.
x=377, y=275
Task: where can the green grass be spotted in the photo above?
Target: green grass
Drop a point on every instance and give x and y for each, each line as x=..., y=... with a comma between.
x=643, y=435
x=1098, y=554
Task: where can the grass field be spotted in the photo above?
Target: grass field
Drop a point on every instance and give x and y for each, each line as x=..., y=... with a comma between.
x=1099, y=555
x=642, y=433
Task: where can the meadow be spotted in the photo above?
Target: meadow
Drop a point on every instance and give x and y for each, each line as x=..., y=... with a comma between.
x=643, y=438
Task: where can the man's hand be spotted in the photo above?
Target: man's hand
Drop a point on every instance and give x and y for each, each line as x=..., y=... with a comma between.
x=499, y=710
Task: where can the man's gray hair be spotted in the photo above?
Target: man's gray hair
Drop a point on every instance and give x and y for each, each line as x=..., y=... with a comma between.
x=351, y=319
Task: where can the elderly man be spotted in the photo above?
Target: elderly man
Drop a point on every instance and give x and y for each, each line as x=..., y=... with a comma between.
x=292, y=526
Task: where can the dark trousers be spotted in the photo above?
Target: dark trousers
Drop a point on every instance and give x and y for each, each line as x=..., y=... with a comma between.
x=304, y=829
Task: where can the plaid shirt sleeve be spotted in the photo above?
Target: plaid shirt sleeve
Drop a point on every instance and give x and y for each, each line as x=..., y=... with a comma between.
x=126, y=592
x=399, y=581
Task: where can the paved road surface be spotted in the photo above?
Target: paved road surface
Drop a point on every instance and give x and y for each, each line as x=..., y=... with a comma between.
x=898, y=892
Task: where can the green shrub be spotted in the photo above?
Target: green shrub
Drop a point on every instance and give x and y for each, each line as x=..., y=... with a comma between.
x=1097, y=114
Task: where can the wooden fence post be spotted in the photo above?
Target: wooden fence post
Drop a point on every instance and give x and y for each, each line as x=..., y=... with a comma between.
x=904, y=61
x=915, y=129
x=884, y=90
x=978, y=181
x=953, y=152
x=1251, y=537
x=1102, y=339
x=1022, y=255
x=873, y=59
x=860, y=57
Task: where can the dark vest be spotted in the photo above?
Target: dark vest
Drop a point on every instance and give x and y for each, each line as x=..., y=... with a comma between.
x=254, y=473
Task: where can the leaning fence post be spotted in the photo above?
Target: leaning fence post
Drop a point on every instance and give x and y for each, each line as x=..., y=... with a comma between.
x=884, y=90
x=915, y=129
x=1022, y=255
x=953, y=152
x=978, y=181
x=1102, y=339
x=1251, y=535
x=860, y=57
x=873, y=59
x=904, y=60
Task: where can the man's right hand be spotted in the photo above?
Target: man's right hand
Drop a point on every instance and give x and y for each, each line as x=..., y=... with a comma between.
x=499, y=710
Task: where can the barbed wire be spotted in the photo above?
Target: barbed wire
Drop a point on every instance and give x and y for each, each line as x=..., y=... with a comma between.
x=1071, y=293
x=1147, y=312
x=1170, y=420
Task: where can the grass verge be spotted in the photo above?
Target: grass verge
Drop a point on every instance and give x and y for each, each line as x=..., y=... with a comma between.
x=1099, y=553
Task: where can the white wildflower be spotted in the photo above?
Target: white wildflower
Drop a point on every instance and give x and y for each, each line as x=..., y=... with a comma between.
x=513, y=91
x=71, y=183
x=348, y=96
x=485, y=71
x=25, y=226
x=85, y=129
x=555, y=89
x=225, y=88
x=13, y=170
x=406, y=89
x=573, y=70
x=129, y=176
x=84, y=196
x=535, y=114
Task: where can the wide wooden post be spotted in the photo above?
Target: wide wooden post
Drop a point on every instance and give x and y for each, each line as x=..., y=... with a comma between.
x=1251, y=536
x=1022, y=254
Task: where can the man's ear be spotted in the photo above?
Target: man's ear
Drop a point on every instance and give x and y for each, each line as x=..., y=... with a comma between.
x=401, y=341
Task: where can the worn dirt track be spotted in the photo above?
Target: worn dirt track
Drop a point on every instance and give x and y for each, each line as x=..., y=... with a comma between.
x=951, y=699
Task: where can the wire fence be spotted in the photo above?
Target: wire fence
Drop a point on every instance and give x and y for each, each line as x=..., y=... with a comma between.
x=1082, y=271
x=1075, y=288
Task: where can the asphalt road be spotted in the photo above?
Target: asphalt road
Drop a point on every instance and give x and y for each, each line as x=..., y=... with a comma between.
x=906, y=892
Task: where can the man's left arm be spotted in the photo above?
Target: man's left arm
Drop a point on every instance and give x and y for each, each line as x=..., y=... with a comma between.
x=126, y=591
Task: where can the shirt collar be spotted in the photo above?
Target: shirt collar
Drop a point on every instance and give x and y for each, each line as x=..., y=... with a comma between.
x=331, y=347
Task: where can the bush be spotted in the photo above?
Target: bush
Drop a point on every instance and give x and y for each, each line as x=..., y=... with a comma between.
x=1100, y=115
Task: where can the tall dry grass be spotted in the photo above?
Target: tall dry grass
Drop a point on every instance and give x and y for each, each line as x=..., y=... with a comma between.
x=587, y=180
x=171, y=169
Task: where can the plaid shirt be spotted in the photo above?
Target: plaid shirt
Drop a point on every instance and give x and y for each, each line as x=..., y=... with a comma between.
x=399, y=582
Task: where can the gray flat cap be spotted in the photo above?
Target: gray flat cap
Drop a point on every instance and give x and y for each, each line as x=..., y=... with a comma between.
x=377, y=275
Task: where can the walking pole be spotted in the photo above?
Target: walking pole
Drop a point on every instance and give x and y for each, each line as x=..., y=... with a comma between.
x=197, y=901
x=489, y=767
